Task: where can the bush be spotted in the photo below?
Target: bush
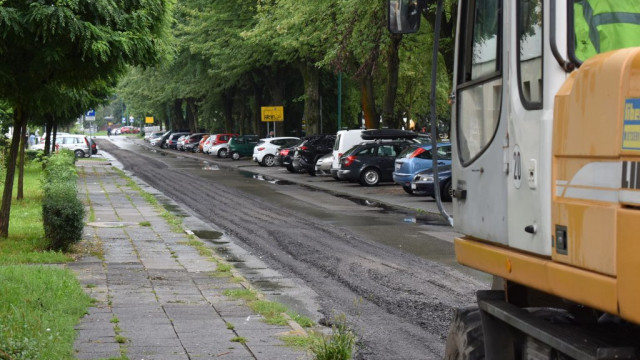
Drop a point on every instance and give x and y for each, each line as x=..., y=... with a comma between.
x=62, y=211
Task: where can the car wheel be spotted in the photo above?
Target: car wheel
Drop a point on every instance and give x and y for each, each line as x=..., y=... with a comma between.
x=235, y=155
x=268, y=160
x=290, y=168
x=369, y=177
x=163, y=146
x=79, y=153
x=222, y=153
x=446, y=193
x=408, y=190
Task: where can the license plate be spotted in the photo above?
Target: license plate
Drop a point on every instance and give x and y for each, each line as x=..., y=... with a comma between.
x=413, y=186
x=397, y=166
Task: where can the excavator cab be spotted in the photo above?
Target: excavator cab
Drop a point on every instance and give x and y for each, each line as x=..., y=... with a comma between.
x=546, y=162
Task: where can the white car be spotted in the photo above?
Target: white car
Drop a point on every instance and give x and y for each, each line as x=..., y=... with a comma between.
x=79, y=144
x=222, y=150
x=264, y=153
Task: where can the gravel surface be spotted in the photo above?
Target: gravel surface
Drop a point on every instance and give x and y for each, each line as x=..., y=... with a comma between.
x=398, y=304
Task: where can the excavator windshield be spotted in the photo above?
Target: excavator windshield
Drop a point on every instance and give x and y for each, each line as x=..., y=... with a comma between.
x=604, y=25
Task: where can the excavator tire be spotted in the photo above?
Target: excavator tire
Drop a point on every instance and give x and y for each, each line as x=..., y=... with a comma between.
x=465, y=340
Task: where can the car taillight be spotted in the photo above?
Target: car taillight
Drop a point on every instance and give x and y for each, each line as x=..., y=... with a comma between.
x=303, y=148
x=261, y=148
x=417, y=152
x=284, y=152
x=348, y=160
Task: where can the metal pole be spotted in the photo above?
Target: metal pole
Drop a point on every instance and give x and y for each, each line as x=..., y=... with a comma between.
x=339, y=100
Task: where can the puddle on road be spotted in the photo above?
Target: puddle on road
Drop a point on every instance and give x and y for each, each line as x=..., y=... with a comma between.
x=424, y=219
x=366, y=202
x=210, y=167
x=269, y=179
x=208, y=235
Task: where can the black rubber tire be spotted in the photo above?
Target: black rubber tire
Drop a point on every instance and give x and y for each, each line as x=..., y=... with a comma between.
x=79, y=153
x=291, y=169
x=408, y=190
x=268, y=160
x=222, y=153
x=369, y=177
x=466, y=339
x=235, y=155
x=446, y=192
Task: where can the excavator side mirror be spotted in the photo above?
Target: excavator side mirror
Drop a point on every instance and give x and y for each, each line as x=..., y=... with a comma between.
x=404, y=16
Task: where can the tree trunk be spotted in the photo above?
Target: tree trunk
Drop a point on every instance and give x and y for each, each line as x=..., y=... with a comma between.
x=19, y=118
x=227, y=109
x=192, y=114
x=311, y=78
x=47, y=131
x=393, y=65
x=369, y=103
x=276, y=82
x=24, y=143
x=54, y=138
x=179, y=122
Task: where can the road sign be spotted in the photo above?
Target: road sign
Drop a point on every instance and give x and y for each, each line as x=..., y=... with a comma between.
x=272, y=113
x=90, y=115
x=148, y=120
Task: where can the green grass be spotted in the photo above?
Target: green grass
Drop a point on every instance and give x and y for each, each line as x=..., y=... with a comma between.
x=239, y=339
x=271, y=311
x=39, y=307
x=26, y=243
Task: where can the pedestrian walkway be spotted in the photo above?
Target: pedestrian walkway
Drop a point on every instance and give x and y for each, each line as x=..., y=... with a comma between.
x=156, y=296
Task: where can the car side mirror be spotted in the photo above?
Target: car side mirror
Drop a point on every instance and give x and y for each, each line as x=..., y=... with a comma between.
x=404, y=16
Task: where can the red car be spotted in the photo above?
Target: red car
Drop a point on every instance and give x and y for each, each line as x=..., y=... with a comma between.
x=129, y=130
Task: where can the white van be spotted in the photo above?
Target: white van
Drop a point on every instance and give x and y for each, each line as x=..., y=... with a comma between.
x=345, y=140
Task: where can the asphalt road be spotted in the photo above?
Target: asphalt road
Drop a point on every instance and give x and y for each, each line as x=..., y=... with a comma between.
x=396, y=284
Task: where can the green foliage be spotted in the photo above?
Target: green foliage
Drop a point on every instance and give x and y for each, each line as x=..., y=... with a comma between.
x=39, y=307
x=62, y=211
x=339, y=346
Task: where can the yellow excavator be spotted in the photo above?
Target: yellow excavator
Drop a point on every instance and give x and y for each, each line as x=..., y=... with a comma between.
x=546, y=172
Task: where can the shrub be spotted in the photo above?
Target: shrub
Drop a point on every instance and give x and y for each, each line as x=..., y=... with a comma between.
x=62, y=211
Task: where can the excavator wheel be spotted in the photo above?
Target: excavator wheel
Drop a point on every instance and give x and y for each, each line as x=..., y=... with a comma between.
x=465, y=340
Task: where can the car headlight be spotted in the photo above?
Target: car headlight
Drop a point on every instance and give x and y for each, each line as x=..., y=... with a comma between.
x=425, y=178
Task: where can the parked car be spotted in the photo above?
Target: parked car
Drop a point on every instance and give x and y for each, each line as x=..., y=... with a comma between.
x=220, y=150
x=172, y=140
x=180, y=142
x=219, y=139
x=346, y=139
x=192, y=142
x=371, y=163
x=323, y=165
x=242, y=145
x=423, y=183
x=153, y=135
x=264, y=153
x=200, y=146
x=129, y=130
x=313, y=149
x=162, y=142
x=286, y=156
x=416, y=158
x=79, y=144
x=94, y=146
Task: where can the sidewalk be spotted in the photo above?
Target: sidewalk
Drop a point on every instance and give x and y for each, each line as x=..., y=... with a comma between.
x=156, y=296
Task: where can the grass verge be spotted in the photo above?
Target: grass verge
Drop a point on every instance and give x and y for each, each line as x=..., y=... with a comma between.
x=39, y=307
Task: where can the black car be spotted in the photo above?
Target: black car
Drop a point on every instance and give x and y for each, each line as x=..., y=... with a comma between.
x=371, y=163
x=162, y=142
x=286, y=154
x=313, y=149
x=172, y=140
x=192, y=142
x=423, y=183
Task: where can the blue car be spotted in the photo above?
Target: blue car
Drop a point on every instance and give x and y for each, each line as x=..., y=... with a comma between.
x=416, y=158
x=423, y=183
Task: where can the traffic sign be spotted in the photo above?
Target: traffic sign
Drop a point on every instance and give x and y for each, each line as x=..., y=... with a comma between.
x=90, y=115
x=272, y=113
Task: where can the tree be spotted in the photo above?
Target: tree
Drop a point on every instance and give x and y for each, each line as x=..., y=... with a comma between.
x=70, y=44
